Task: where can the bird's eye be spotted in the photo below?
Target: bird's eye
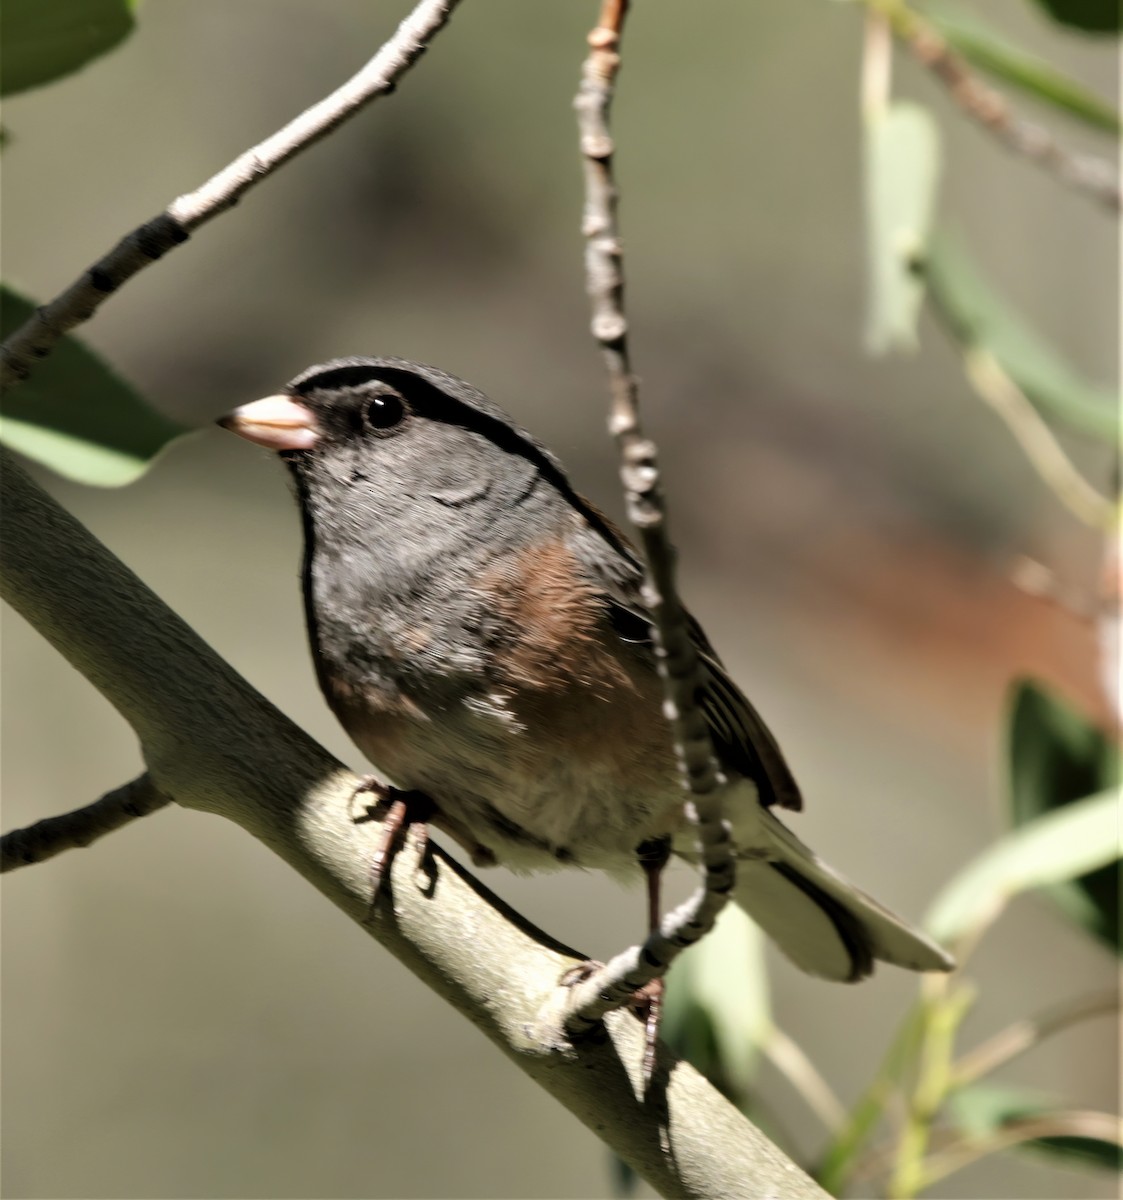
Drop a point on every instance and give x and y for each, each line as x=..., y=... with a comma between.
x=384, y=412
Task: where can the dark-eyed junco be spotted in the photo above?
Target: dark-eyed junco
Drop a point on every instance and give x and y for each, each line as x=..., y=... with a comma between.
x=477, y=627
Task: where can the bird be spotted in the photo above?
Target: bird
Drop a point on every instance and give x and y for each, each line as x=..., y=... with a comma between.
x=479, y=630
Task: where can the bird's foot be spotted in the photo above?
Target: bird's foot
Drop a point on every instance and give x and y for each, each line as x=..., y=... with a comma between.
x=399, y=812
x=647, y=1004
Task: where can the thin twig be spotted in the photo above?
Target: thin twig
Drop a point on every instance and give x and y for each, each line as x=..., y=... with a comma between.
x=789, y=1058
x=37, y=337
x=1023, y=1035
x=1042, y=583
x=1103, y=1127
x=990, y=109
x=53, y=835
x=995, y=386
x=955, y=1151
x=678, y=660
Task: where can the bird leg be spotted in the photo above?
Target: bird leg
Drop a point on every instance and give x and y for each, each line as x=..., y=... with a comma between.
x=648, y=1000
x=402, y=811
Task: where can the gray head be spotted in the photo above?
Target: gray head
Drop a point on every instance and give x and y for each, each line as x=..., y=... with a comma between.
x=383, y=448
x=412, y=485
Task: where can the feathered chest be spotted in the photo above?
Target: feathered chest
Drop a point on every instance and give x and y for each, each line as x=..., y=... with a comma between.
x=507, y=697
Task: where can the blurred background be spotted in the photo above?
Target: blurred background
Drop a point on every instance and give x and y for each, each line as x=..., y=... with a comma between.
x=183, y=1016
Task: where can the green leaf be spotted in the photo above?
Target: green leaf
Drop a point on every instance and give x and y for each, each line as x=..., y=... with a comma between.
x=902, y=168
x=979, y=318
x=983, y=1110
x=717, y=1010
x=75, y=416
x=989, y=51
x=1054, y=848
x=42, y=40
x=624, y=1178
x=1056, y=757
x=1093, y=16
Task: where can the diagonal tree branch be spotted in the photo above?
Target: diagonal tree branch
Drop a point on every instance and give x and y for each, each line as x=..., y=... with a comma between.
x=212, y=743
x=639, y=471
x=37, y=337
x=53, y=835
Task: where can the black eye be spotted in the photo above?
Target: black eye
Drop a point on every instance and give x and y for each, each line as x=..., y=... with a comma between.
x=384, y=412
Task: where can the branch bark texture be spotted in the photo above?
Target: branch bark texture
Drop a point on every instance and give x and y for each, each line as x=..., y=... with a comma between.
x=212, y=743
x=37, y=337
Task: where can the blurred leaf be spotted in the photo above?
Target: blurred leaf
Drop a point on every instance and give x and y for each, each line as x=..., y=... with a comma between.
x=989, y=51
x=75, y=416
x=689, y=1031
x=717, y=1010
x=985, y=1107
x=978, y=318
x=1055, y=758
x=842, y=1153
x=1093, y=16
x=1079, y=1151
x=902, y=168
x=42, y=40
x=982, y=1110
x=624, y=1178
x=1054, y=848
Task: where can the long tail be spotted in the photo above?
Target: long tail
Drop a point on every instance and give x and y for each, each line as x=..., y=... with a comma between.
x=822, y=922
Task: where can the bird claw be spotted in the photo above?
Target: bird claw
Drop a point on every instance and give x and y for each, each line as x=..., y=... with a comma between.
x=401, y=812
x=646, y=1003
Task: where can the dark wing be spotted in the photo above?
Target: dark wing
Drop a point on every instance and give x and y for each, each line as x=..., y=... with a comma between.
x=742, y=741
x=741, y=738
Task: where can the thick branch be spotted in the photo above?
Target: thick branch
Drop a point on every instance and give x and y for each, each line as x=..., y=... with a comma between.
x=53, y=835
x=37, y=338
x=639, y=471
x=212, y=743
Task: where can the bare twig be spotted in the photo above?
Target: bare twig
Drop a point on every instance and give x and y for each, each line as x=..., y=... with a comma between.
x=990, y=109
x=995, y=386
x=37, y=337
x=214, y=744
x=1023, y=1035
x=1042, y=583
x=956, y=1152
x=678, y=660
x=789, y=1058
x=1103, y=1127
x=36, y=843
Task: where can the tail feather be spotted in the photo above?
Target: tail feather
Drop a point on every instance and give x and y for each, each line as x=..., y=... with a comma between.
x=822, y=922
x=814, y=931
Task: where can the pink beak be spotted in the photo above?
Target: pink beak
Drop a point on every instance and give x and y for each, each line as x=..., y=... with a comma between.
x=276, y=422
